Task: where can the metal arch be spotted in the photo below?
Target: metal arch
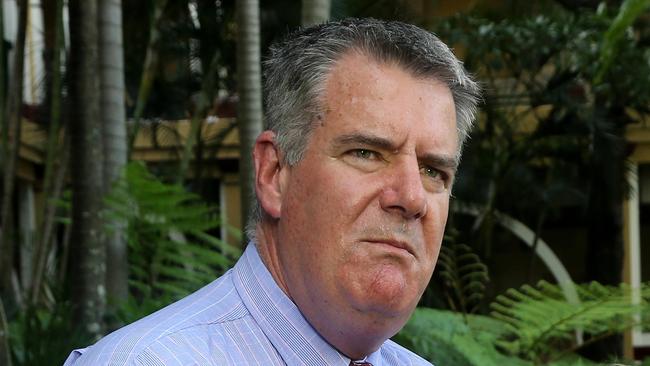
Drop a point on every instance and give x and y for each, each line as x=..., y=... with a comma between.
x=543, y=251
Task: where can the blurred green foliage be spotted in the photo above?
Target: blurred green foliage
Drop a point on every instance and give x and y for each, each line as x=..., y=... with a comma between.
x=528, y=326
x=42, y=336
x=172, y=252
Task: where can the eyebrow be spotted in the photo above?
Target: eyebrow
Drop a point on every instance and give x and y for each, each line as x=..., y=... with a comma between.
x=438, y=160
x=364, y=139
x=442, y=161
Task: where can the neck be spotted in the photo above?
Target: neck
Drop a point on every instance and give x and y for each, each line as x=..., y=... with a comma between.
x=356, y=337
x=267, y=248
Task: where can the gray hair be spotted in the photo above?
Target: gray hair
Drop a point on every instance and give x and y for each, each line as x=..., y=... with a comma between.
x=297, y=68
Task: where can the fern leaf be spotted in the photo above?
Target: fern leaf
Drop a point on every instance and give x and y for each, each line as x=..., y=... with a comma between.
x=541, y=323
x=171, y=253
x=464, y=276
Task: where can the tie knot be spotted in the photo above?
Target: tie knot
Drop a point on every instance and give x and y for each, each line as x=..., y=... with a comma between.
x=360, y=363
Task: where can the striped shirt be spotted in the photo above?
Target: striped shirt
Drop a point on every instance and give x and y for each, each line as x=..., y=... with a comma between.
x=242, y=318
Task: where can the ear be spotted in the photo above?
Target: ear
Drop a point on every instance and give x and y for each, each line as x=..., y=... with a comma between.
x=268, y=169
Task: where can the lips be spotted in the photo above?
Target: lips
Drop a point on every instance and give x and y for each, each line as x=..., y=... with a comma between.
x=402, y=245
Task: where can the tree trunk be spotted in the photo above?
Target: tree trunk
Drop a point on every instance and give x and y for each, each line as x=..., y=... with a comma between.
x=48, y=223
x=203, y=102
x=89, y=265
x=10, y=156
x=113, y=113
x=315, y=12
x=148, y=70
x=249, y=85
x=5, y=351
x=27, y=229
x=51, y=22
x=54, y=156
x=207, y=32
x=604, y=257
x=3, y=76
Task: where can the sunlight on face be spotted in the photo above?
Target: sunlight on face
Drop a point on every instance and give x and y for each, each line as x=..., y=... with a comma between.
x=363, y=214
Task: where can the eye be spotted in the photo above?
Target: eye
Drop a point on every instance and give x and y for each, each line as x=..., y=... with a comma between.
x=364, y=159
x=436, y=180
x=364, y=154
x=430, y=172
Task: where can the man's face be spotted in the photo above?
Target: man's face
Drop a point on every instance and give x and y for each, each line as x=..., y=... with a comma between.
x=362, y=215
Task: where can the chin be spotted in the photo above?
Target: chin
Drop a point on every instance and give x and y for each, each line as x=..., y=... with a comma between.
x=388, y=291
x=391, y=304
x=392, y=285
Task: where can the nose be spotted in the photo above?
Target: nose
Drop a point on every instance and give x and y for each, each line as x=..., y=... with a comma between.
x=404, y=193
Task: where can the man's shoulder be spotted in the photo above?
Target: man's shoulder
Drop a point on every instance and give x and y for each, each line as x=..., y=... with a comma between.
x=394, y=354
x=189, y=318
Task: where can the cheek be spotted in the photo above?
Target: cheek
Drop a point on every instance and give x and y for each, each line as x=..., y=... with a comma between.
x=315, y=207
x=434, y=226
x=338, y=196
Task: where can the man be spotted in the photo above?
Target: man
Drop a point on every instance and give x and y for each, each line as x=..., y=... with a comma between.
x=365, y=120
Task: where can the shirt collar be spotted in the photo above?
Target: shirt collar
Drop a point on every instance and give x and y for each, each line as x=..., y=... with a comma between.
x=280, y=319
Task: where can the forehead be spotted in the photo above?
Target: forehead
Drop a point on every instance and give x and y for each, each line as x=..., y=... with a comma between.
x=361, y=93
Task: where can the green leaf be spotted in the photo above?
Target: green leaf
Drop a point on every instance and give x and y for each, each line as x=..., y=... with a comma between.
x=464, y=276
x=171, y=252
x=628, y=13
x=449, y=338
x=542, y=324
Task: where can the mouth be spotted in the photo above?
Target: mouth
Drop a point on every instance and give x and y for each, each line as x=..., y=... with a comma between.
x=393, y=245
